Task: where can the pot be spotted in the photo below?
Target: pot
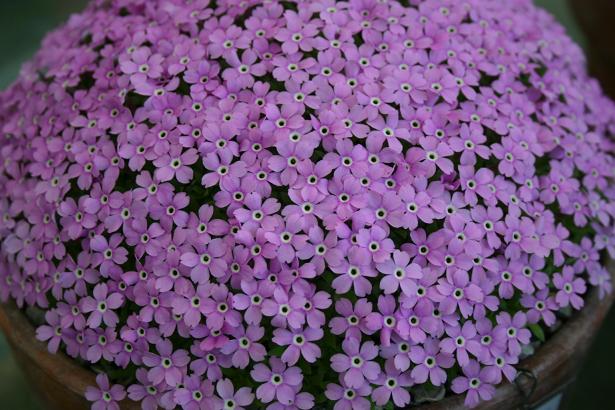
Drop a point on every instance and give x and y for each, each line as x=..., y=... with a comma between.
x=61, y=382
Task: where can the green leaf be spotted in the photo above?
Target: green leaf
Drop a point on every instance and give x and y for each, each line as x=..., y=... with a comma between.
x=276, y=351
x=537, y=331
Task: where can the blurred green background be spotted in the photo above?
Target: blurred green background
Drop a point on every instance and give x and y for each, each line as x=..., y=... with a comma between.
x=23, y=23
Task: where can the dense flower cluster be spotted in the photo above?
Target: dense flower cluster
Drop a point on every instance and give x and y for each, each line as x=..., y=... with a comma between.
x=296, y=204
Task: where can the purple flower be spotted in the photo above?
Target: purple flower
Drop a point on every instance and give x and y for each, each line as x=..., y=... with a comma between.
x=218, y=308
x=145, y=239
x=541, y=307
x=354, y=273
x=243, y=70
x=347, y=397
x=111, y=253
x=105, y=396
x=400, y=273
x=101, y=306
x=393, y=384
x=284, y=308
x=167, y=364
x=353, y=321
x=176, y=164
x=357, y=363
x=205, y=259
x=569, y=288
x=194, y=393
x=511, y=330
x=520, y=235
x=384, y=319
x=502, y=366
x=145, y=392
x=245, y=347
x=299, y=344
x=430, y=362
x=375, y=244
x=459, y=293
x=234, y=399
x=278, y=381
x=251, y=300
x=287, y=239
x=188, y=189
x=414, y=324
x=461, y=341
x=52, y=332
x=141, y=61
x=476, y=383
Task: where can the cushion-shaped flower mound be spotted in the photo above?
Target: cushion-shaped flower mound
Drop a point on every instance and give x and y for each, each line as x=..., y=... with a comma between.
x=297, y=204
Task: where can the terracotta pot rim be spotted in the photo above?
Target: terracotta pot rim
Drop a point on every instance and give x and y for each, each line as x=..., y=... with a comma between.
x=21, y=336
x=552, y=366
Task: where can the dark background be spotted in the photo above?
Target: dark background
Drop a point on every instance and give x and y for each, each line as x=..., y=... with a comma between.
x=23, y=23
